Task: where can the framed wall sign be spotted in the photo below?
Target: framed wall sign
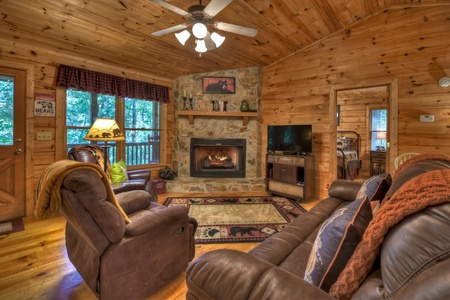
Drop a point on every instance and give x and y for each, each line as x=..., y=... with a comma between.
x=218, y=85
x=44, y=104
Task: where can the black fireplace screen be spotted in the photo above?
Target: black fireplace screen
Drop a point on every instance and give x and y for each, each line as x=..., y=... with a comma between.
x=218, y=158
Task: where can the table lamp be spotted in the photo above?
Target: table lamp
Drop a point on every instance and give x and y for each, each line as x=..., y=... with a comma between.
x=105, y=130
x=381, y=136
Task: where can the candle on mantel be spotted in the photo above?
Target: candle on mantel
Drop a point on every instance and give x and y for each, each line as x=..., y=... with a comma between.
x=184, y=94
x=190, y=96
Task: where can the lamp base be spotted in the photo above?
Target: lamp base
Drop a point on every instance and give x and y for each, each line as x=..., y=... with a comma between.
x=105, y=156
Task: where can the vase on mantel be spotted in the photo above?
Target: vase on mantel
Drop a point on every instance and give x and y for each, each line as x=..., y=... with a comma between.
x=244, y=106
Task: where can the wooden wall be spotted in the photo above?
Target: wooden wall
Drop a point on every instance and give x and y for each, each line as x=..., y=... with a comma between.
x=16, y=53
x=409, y=45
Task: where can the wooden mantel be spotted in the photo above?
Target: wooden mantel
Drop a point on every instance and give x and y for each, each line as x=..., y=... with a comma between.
x=193, y=113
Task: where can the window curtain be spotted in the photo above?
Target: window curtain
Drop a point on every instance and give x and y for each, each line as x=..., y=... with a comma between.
x=91, y=81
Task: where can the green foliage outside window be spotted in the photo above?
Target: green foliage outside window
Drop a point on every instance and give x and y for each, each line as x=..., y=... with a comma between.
x=6, y=110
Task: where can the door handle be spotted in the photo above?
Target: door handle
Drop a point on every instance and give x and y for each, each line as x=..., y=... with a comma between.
x=18, y=151
x=18, y=141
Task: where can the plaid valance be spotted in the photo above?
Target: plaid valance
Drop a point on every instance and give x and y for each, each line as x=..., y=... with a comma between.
x=91, y=81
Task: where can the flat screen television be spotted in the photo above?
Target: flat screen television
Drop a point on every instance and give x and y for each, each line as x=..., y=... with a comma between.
x=290, y=139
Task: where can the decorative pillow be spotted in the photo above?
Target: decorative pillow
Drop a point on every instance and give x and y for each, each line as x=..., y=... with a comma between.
x=376, y=187
x=335, y=243
x=118, y=171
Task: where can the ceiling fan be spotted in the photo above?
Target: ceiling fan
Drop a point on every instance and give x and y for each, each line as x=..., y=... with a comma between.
x=199, y=17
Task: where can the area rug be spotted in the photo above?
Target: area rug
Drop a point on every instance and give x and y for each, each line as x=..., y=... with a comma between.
x=7, y=227
x=236, y=220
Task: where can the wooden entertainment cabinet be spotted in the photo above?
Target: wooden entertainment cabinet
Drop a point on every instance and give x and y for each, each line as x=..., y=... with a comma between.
x=290, y=175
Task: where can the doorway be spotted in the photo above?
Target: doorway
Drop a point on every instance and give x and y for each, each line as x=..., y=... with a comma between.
x=343, y=95
x=12, y=143
x=361, y=111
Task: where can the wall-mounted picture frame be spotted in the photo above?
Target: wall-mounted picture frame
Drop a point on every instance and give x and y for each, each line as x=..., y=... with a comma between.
x=218, y=85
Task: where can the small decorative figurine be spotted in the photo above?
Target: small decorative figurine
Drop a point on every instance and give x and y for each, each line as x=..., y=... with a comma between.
x=244, y=105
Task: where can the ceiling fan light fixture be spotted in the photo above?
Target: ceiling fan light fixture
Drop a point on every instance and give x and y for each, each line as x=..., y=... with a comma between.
x=201, y=46
x=183, y=36
x=444, y=81
x=199, y=30
x=217, y=39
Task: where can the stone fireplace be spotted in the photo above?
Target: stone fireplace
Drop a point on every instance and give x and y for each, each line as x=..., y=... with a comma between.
x=216, y=174
x=218, y=158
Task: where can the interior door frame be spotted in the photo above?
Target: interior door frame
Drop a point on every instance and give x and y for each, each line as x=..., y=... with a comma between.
x=29, y=132
x=392, y=104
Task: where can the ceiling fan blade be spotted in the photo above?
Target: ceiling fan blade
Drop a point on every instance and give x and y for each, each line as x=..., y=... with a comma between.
x=171, y=7
x=215, y=6
x=247, y=31
x=170, y=30
x=209, y=43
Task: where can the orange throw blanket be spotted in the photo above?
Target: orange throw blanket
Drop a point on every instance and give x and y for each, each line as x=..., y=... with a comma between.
x=427, y=189
x=48, y=191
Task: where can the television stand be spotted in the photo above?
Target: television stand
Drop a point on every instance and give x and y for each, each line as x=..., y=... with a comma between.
x=290, y=176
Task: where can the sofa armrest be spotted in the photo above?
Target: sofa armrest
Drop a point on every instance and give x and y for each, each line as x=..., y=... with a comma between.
x=344, y=189
x=158, y=219
x=231, y=274
x=148, y=184
x=139, y=174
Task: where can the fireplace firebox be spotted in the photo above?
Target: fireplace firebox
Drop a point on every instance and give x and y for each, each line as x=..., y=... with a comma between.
x=218, y=158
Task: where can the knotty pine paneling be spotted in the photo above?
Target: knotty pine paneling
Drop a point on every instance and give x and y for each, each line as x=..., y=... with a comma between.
x=411, y=45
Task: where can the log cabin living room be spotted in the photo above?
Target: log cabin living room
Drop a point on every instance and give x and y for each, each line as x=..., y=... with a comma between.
x=360, y=84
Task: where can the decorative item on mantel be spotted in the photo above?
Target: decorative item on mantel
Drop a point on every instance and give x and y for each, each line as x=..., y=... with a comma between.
x=244, y=106
x=188, y=103
x=219, y=105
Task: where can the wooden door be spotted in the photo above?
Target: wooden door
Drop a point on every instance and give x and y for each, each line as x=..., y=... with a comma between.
x=12, y=143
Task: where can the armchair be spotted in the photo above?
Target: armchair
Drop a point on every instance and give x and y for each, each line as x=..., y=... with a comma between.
x=137, y=179
x=119, y=260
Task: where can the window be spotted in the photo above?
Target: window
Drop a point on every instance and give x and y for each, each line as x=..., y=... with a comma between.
x=6, y=110
x=142, y=131
x=140, y=123
x=378, y=128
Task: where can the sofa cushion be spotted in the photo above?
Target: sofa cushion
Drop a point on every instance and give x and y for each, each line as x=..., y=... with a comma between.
x=376, y=187
x=337, y=239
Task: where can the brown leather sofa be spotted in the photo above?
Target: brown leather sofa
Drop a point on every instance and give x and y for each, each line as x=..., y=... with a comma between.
x=119, y=260
x=413, y=261
x=137, y=179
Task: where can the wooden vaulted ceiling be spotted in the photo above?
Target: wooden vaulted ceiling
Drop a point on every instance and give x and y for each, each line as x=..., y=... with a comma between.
x=118, y=32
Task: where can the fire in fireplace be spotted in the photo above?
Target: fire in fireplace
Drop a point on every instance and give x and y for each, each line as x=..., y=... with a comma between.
x=218, y=158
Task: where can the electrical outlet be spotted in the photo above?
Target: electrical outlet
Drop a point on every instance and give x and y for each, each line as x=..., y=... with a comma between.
x=426, y=118
x=44, y=136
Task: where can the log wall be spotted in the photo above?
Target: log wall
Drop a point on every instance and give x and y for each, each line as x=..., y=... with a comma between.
x=409, y=45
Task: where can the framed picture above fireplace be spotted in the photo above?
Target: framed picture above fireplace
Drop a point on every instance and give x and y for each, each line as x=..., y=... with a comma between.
x=218, y=85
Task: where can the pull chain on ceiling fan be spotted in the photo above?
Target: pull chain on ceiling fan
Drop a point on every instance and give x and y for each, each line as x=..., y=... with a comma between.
x=199, y=17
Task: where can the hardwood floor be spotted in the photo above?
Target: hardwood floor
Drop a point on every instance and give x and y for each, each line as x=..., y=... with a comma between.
x=34, y=263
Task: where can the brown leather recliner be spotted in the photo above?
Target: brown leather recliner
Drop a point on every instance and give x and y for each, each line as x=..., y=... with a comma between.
x=137, y=179
x=119, y=260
